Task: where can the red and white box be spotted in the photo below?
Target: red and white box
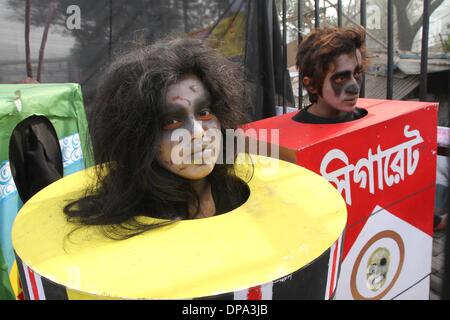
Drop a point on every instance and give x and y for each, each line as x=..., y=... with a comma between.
x=384, y=166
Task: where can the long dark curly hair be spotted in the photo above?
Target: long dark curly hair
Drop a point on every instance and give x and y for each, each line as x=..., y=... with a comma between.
x=126, y=127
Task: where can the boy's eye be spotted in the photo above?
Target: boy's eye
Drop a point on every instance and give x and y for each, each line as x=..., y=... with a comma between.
x=339, y=79
x=205, y=115
x=172, y=124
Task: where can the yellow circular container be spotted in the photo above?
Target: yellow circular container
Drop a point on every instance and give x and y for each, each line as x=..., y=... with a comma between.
x=281, y=243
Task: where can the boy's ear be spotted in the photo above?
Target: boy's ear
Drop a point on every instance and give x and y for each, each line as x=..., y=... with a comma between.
x=309, y=84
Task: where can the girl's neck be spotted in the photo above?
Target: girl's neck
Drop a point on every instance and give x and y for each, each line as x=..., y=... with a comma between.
x=200, y=186
x=207, y=206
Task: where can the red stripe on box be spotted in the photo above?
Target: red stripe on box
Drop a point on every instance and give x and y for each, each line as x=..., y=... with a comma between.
x=333, y=270
x=33, y=284
x=254, y=293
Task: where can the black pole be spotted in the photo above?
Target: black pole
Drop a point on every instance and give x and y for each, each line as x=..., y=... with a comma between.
x=185, y=16
x=284, y=57
x=317, y=14
x=424, y=54
x=390, y=66
x=363, y=13
x=299, y=39
x=339, y=13
x=110, y=29
x=446, y=283
x=362, y=92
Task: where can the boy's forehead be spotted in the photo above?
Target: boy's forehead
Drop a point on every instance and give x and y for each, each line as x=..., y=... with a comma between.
x=346, y=62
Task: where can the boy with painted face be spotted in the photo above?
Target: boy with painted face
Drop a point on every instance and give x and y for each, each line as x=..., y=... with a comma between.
x=331, y=63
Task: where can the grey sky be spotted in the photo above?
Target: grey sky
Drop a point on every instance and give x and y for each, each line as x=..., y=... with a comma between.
x=12, y=43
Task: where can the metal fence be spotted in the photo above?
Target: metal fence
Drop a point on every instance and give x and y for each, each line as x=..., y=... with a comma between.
x=363, y=22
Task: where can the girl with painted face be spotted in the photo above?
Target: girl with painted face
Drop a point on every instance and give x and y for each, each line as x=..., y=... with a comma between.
x=331, y=63
x=157, y=130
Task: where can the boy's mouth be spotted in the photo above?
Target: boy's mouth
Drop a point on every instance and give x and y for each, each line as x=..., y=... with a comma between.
x=354, y=99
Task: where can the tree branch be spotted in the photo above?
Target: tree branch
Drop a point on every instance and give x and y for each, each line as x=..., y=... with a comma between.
x=27, y=38
x=434, y=5
x=50, y=14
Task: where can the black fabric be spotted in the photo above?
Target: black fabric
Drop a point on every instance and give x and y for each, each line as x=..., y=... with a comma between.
x=436, y=220
x=304, y=116
x=35, y=156
x=54, y=291
x=308, y=283
x=446, y=283
x=264, y=59
x=262, y=53
x=223, y=296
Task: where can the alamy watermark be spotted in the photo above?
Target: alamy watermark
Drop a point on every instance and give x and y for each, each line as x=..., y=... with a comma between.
x=215, y=147
x=373, y=17
x=73, y=20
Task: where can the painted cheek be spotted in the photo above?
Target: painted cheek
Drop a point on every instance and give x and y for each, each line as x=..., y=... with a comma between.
x=165, y=149
x=211, y=124
x=213, y=135
x=212, y=130
x=162, y=158
x=338, y=88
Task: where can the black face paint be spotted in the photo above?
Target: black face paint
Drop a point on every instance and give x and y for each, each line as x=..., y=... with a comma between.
x=339, y=82
x=342, y=82
x=352, y=89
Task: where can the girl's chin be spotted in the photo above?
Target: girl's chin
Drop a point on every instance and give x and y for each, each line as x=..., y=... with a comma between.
x=196, y=171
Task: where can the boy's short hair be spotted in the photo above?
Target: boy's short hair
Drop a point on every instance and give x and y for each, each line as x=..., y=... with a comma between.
x=320, y=48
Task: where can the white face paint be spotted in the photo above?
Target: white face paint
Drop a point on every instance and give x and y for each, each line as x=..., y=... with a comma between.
x=188, y=115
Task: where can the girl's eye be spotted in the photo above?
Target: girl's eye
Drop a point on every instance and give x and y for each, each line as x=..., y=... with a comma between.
x=205, y=115
x=172, y=124
x=358, y=74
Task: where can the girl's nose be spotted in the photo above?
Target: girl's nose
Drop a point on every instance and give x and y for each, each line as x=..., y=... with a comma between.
x=197, y=130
